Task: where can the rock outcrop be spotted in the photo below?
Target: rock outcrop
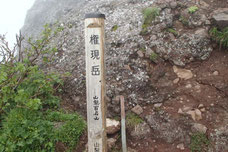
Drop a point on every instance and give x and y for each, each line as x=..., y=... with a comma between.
x=138, y=62
x=220, y=17
x=126, y=72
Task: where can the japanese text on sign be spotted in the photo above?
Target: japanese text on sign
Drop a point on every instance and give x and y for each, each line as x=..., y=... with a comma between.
x=96, y=147
x=96, y=105
x=94, y=39
x=95, y=54
x=95, y=83
x=95, y=70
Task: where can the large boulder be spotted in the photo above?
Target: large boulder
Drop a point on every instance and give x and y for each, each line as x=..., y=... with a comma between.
x=168, y=129
x=220, y=18
x=140, y=131
x=113, y=126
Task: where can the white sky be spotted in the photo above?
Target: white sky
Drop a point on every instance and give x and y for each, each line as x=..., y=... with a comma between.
x=12, y=16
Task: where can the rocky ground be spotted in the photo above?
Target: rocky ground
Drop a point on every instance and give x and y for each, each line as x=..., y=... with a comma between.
x=172, y=75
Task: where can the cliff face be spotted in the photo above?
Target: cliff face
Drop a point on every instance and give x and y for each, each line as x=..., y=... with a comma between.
x=121, y=44
x=141, y=65
x=47, y=11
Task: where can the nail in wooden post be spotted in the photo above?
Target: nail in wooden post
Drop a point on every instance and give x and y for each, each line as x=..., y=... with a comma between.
x=95, y=82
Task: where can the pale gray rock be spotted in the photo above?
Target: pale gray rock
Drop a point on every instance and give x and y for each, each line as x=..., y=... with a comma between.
x=157, y=105
x=140, y=131
x=221, y=18
x=112, y=126
x=220, y=139
x=173, y=5
x=168, y=129
x=202, y=32
x=183, y=73
x=180, y=146
x=137, y=109
x=197, y=127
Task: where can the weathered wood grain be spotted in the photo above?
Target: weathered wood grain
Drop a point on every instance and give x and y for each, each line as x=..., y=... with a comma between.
x=95, y=83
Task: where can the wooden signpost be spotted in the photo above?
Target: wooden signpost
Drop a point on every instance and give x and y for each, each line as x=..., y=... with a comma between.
x=95, y=82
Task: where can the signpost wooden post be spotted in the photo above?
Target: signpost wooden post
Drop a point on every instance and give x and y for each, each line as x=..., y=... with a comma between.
x=95, y=82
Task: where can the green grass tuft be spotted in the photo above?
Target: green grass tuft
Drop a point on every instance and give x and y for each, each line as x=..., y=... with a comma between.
x=220, y=36
x=192, y=9
x=149, y=15
x=153, y=56
x=184, y=20
x=199, y=142
x=71, y=131
x=143, y=49
x=174, y=32
x=133, y=119
x=115, y=27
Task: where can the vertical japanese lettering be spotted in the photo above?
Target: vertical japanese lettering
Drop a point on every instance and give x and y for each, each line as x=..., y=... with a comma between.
x=95, y=70
x=96, y=105
x=95, y=82
x=96, y=147
x=94, y=39
x=95, y=54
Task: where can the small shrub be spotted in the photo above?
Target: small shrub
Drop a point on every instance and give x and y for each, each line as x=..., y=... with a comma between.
x=153, y=56
x=133, y=119
x=220, y=36
x=27, y=95
x=115, y=27
x=56, y=116
x=26, y=130
x=70, y=132
x=143, y=49
x=184, y=21
x=174, y=32
x=149, y=15
x=199, y=142
x=192, y=9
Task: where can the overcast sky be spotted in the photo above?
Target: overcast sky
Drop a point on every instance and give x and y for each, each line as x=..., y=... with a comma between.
x=12, y=16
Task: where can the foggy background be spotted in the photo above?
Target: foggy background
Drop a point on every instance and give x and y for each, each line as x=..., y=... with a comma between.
x=12, y=16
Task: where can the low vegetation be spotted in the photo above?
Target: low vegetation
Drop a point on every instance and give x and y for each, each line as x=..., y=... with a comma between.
x=184, y=20
x=149, y=15
x=193, y=9
x=173, y=31
x=115, y=27
x=153, y=57
x=220, y=36
x=132, y=119
x=29, y=107
x=199, y=142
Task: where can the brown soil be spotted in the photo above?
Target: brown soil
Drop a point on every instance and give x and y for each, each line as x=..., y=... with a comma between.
x=211, y=95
